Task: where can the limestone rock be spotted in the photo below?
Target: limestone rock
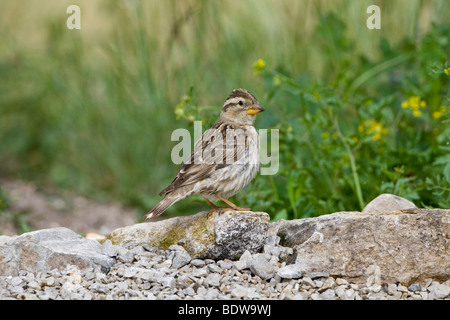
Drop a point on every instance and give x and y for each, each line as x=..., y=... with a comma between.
x=293, y=271
x=179, y=256
x=264, y=265
x=404, y=246
x=219, y=236
x=388, y=203
x=48, y=249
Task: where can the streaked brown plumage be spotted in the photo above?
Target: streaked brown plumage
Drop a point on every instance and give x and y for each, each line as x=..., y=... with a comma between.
x=225, y=159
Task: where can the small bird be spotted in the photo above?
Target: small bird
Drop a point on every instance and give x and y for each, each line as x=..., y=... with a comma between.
x=225, y=159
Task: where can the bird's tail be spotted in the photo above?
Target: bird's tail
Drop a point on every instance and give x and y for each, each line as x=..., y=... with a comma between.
x=162, y=206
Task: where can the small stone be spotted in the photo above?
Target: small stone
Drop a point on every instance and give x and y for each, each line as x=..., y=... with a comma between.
x=16, y=290
x=306, y=281
x=243, y=292
x=199, y=272
x=15, y=281
x=272, y=250
x=130, y=272
x=167, y=282
x=318, y=283
x=225, y=264
x=402, y=288
x=300, y=296
x=315, y=296
x=340, y=282
x=51, y=292
x=189, y=291
x=328, y=284
x=180, y=259
x=263, y=266
x=272, y=240
x=125, y=256
x=213, y=279
x=376, y=296
x=424, y=295
x=427, y=283
x=198, y=263
x=244, y=261
x=214, y=268
x=109, y=249
x=439, y=291
x=375, y=288
x=391, y=288
x=211, y=294
x=388, y=203
x=33, y=285
x=350, y=293
x=328, y=294
x=315, y=275
x=292, y=271
x=99, y=276
x=415, y=287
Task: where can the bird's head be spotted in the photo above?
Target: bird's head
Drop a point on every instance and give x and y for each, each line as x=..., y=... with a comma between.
x=241, y=107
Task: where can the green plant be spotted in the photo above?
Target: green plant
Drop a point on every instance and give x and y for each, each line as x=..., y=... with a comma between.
x=342, y=144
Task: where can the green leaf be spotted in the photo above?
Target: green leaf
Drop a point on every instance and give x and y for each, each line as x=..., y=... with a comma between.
x=447, y=172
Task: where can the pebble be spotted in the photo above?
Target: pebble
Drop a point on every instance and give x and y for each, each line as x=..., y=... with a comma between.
x=144, y=272
x=328, y=294
x=292, y=271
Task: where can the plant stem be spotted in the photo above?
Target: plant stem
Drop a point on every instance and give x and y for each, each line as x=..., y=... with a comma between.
x=352, y=164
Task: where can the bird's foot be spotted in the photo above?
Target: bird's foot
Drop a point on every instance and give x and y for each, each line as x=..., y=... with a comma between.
x=220, y=210
x=241, y=209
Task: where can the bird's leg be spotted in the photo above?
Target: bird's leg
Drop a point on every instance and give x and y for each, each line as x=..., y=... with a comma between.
x=214, y=207
x=232, y=205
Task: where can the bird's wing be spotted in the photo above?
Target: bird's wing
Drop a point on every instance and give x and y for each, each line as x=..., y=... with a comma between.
x=220, y=146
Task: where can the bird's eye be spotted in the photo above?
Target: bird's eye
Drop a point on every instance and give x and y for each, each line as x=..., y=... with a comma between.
x=241, y=103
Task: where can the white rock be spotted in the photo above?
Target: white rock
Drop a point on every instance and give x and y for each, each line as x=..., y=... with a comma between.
x=388, y=203
x=168, y=282
x=180, y=259
x=293, y=271
x=244, y=261
x=243, y=292
x=263, y=266
x=213, y=279
x=328, y=294
x=439, y=291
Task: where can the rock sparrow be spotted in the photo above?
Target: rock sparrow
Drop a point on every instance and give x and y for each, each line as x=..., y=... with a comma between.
x=225, y=159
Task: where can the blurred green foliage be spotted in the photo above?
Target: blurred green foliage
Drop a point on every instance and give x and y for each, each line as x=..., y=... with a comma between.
x=94, y=113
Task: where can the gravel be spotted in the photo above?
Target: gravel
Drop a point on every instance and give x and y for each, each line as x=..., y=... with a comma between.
x=145, y=272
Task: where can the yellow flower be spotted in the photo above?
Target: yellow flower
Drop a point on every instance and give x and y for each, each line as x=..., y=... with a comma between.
x=325, y=135
x=438, y=114
x=377, y=136
x=414, y=103
x=447, y=71
x=259, y=66
x=361, y=128
x=374, y=128
x=317, y=95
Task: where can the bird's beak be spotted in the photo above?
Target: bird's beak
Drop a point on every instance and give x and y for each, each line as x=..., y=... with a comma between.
x=254, y=109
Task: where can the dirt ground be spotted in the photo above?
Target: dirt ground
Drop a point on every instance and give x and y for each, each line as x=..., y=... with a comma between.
x=33, y=209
